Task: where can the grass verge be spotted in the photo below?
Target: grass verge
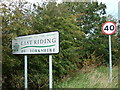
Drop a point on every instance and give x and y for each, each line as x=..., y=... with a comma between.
x=91, y=78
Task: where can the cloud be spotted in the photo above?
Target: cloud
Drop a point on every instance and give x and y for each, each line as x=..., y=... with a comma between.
x=112, y=7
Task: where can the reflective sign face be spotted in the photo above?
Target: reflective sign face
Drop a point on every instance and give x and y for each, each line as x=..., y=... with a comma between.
x=109, y=28
x=45, y=43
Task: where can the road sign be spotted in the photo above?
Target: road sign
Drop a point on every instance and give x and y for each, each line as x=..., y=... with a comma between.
x=109, y=28
x=45, y=43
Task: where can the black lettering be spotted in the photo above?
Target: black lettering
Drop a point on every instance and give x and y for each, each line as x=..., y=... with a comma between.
x=112, y=27
x=54, y=50
x=21, y=43
x=22, y=50
x=106, y=28
x=30, y=41
x=35, y=50
x=45, y=41
x=48, y=41
x=27, y=42
x=38, y=50
x=44, y=50
x=54, y=40
x=41, y=41
x=35, y=42
x=30, y=50
x=50, y=50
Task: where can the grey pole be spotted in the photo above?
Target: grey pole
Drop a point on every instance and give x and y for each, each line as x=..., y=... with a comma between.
x=26, y=86
x=110, y=58
x=50, y=72
x=91, y=1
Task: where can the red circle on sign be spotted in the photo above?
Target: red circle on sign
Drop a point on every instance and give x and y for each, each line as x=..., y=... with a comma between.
x=112, y=24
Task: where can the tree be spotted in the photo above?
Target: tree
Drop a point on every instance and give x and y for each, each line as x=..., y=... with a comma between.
x=81, y=40
x=14, y=23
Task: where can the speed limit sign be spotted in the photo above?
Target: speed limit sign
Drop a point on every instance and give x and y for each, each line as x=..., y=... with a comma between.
x=109, y=28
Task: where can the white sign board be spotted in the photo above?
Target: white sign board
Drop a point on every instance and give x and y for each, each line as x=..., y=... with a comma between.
x=45, y=43
x=109, y=28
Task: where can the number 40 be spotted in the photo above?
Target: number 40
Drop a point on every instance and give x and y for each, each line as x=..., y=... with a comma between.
x=111, y=27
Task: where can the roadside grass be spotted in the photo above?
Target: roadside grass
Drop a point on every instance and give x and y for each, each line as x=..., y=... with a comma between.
x=91, y=78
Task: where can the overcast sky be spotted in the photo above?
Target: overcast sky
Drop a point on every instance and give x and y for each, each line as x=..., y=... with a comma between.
x=112, y=5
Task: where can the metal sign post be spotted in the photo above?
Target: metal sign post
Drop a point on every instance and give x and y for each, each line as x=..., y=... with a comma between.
x=50, y=71
x=26, y=85
x=110, y=58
